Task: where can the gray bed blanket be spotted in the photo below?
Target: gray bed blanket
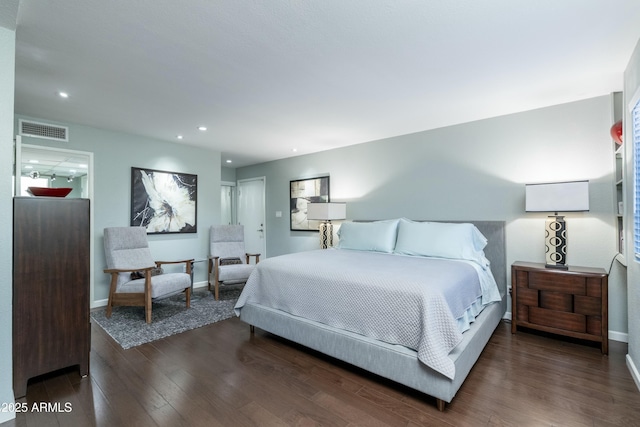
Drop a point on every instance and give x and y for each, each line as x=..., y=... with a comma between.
x=411, y=301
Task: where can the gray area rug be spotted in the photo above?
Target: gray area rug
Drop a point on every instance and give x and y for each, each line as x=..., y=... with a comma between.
x=170, y=316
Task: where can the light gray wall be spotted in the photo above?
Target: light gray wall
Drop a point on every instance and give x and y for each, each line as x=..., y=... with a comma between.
x=475, y=170
x=228, y=174
x=7, y=82
x=631, y=90
x=114, y=155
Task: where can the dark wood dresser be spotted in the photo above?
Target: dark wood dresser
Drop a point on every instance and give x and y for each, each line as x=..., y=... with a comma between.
x=51, y=328
x=571, y=302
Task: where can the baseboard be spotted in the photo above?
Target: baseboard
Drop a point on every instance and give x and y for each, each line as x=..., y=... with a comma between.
x=7, y=415
x=103, y=302
x=618, y=336
x=634, y=371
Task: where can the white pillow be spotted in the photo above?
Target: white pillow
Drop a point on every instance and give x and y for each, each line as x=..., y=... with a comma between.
x=442, y=240
x=378, y=236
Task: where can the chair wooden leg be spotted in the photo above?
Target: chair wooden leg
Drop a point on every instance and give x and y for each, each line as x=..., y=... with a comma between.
x=109, y=307
x=147, y=298
x=216, y=291
x=188, y=297
x=112, y=290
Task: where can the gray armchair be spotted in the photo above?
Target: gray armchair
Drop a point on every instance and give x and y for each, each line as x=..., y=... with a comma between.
x=228, y=262
x=132, y=270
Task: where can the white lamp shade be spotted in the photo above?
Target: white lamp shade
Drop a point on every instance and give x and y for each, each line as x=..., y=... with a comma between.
x=326, y=211
x=557, y=197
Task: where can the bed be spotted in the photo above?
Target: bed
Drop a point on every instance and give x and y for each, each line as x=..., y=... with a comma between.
x=284, y=296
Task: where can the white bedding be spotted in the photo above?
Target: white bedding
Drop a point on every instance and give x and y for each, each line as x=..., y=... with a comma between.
x=412, y=301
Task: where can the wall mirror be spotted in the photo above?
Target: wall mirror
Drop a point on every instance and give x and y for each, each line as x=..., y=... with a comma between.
x=39, y=166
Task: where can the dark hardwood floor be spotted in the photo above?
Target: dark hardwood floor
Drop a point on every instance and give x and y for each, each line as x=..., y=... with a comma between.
x=219, y=376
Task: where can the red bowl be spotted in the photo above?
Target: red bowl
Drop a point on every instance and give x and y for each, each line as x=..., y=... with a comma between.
x=49, y=192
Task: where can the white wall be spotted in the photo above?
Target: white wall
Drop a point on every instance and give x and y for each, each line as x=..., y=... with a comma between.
x=7, y=79
x=475, y=170
x=632, y=95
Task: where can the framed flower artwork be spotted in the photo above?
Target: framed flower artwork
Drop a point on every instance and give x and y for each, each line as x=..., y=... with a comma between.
x=164, y=202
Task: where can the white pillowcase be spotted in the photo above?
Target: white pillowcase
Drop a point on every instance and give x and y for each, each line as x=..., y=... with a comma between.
x=442, y=240
x=378, y=236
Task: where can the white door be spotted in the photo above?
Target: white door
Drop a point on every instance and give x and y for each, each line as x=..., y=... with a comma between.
x=251, y=214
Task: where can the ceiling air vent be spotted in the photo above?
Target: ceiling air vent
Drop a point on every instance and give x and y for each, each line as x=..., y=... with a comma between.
x=44, y=130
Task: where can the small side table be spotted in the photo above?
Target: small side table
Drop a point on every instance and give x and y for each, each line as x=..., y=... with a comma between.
x=192, y=266
x=572, y=302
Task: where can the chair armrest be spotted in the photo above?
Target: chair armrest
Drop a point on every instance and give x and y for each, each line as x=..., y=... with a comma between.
x=159, y=263
x=120, y=270
x=254, y=255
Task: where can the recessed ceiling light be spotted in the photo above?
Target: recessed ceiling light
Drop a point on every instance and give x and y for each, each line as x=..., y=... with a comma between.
x=63, y=94
x=229, y=161
x=294, y=150
x=33, y=161
x=179, y=137
x=202, y=128
x=28, y=167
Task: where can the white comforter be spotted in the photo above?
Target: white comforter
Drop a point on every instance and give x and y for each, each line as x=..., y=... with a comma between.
x=411, y=301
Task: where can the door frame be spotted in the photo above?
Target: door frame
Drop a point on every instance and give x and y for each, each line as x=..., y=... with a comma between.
x=234, y=199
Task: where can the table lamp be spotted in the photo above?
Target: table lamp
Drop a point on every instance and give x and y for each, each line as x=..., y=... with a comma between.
x=326, y=212
x=557, y=197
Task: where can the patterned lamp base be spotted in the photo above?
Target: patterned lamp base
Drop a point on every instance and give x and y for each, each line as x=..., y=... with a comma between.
x=326, y=235
x=556, y=242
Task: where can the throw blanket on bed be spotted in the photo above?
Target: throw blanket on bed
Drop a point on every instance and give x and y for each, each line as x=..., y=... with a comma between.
x=411, y=301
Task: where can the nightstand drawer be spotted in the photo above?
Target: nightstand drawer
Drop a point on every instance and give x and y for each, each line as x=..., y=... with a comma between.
x=588, y=306
x=558, y=319
x=548, y=281
x=557, y=301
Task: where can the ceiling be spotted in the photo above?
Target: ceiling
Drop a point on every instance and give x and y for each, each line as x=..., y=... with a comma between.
x=273, y=76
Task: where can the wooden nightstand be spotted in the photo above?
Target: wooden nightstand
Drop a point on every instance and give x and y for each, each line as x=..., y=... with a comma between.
x=569, y=302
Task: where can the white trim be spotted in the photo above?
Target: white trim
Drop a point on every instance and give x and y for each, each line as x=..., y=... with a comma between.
x=7, y=415
x=634, y=100
x=619, y=336
x=17, y=166
x=634, y=371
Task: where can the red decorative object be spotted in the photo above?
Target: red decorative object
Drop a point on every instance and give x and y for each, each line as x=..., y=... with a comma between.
x=49, y=192
x=616, y=132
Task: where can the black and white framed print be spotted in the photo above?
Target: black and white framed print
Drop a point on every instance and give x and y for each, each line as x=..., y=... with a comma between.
x=302, y=192
x=164, y=202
